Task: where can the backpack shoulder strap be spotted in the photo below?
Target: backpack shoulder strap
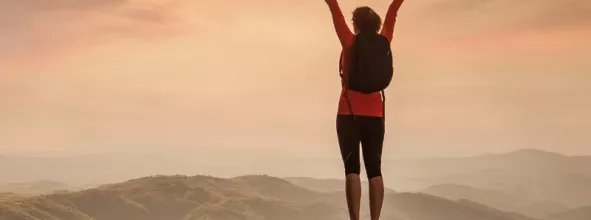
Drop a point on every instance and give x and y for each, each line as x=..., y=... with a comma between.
x=346, y=94
x=341, y=64
x=384, y=106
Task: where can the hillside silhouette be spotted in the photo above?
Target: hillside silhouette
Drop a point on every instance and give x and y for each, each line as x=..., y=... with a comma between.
x=240, y=198
x=8, y=196
x=36, y=187
x=527, y=175
x=327, y=185
x=497, y=199
x=582, y=213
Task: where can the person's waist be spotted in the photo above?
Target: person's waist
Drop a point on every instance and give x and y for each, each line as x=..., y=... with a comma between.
x=352, y=95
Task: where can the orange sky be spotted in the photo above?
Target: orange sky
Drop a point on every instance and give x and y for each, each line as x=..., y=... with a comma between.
x=472, y=76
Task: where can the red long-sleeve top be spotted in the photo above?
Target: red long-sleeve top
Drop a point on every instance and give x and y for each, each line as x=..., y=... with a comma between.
x=362, y=104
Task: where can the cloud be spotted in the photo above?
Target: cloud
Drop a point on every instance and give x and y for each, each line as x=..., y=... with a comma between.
x=38, y=27
x=486, y=16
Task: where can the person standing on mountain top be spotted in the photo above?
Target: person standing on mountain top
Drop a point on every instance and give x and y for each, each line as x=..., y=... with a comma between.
x=366, y=124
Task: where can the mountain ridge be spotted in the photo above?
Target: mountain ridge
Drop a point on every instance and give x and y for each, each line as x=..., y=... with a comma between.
x=253, y=197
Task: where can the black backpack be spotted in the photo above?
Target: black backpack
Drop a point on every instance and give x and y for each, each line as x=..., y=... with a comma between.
x=370, y=66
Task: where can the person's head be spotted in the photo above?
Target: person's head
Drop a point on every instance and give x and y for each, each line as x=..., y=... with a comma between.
x=366, y=19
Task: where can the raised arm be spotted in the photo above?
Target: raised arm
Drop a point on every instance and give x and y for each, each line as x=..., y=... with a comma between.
x=343, y=31
x=390, y=21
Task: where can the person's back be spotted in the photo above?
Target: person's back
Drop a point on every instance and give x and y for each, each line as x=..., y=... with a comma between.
x=360, y=116
x=365, y=104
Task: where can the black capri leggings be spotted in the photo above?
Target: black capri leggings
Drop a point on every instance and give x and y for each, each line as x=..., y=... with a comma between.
x=369, y=131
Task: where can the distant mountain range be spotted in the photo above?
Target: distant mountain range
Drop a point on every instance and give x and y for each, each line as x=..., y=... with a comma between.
x=240, y=198
x=36, y=187
x=530, y=182
x=497, y=199
x=583, y=213
x=528, y=174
